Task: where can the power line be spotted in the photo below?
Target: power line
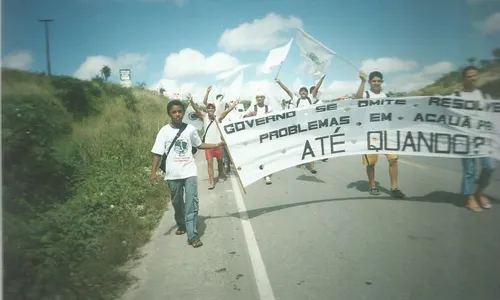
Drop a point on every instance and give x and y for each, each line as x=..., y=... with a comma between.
x=47, y=43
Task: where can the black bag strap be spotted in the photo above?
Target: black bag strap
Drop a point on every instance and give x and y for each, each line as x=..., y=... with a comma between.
x=267, y=109
x=163, y=162
x=367, y=94
x=181, y=129
x=255, y=107
x=206, y=131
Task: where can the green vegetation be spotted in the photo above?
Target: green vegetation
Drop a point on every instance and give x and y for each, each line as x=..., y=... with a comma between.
x=489, y=78
x=76, y=193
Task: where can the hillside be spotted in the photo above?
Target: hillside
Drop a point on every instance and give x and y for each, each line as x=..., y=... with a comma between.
x=77, y=203
x=489, y=81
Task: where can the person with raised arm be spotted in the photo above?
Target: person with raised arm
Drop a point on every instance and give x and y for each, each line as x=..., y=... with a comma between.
x=259, y=109
x=303, y=101
x=213, y=135
x=175, y=141
x=375, y=80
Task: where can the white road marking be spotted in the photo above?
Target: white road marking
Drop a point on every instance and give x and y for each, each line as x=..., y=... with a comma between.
x=413, y=164
x=259, y=269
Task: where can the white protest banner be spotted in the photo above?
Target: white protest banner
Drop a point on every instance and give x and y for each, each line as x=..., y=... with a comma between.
x=421, y=126
x=275, y=58
x=318, y=56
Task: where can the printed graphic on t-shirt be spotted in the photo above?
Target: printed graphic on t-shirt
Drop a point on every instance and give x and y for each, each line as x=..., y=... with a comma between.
x=180, y=146
x=181, y=149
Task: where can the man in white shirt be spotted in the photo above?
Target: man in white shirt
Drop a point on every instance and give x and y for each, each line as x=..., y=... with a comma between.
x=212, y=135
x=177, y=140
x=375, y=79
x=303, y=101
x=476, y=200
x=260, y=109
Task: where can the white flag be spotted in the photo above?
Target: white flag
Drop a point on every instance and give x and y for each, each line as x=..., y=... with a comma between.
x=276, y=57
x=227, y=74
x=318, y=57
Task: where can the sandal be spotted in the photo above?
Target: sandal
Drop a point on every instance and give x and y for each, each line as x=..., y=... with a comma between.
x=196, y=244
x=180, y=231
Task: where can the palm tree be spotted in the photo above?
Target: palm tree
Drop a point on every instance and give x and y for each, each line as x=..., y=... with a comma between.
x=106, y=72
x=471, y=61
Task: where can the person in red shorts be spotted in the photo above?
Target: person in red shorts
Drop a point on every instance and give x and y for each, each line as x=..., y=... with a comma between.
x=211, y=134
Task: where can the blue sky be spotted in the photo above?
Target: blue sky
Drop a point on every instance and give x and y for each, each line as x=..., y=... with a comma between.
x=426, y=36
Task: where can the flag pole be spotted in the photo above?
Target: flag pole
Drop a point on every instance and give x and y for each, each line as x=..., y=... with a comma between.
x=279, y=69
x=231, y=158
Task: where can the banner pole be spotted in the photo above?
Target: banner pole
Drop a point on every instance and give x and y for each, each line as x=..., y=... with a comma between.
x=231, y=158
x=279, y=69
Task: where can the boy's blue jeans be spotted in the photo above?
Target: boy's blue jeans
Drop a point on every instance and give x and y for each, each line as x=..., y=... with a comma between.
x=469, y=180
x=185, y=208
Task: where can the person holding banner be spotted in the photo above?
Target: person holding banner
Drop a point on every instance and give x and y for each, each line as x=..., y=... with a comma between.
x=176, y=140
x=476, y=200
x=212, y=135
x=375, y=80
x=260, y=109
x=302, y=101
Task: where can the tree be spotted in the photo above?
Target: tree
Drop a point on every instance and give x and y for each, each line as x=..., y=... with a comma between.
x=106, y=72
x=97, y=78
x=485, y=63
x=471, y=61
x=162, y=90
x=141, y=85
x=496, y=53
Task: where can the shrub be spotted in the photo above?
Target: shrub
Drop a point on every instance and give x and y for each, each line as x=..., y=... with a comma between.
x=78, y=203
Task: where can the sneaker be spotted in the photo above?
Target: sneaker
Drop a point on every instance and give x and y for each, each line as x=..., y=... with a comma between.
x=268, y=180
x=374, y=191
x=396, y=193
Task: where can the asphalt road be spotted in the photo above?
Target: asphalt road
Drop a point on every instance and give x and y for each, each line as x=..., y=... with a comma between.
x=324, y=237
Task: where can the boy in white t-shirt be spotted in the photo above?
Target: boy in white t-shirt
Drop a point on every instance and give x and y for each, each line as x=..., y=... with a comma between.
x=476, y=200
x=213, y=135
x=375, y=79
x=181, y=172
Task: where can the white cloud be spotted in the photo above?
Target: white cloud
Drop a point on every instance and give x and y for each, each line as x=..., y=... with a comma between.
x=19, y=60
x=415, y=81
x=339, y=88
x=190, y=62
x=262, y=34
x=93, y=65
x=388, y=65
x=490, y=25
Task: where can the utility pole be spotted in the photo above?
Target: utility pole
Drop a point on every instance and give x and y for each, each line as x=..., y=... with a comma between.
x=47, y=43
